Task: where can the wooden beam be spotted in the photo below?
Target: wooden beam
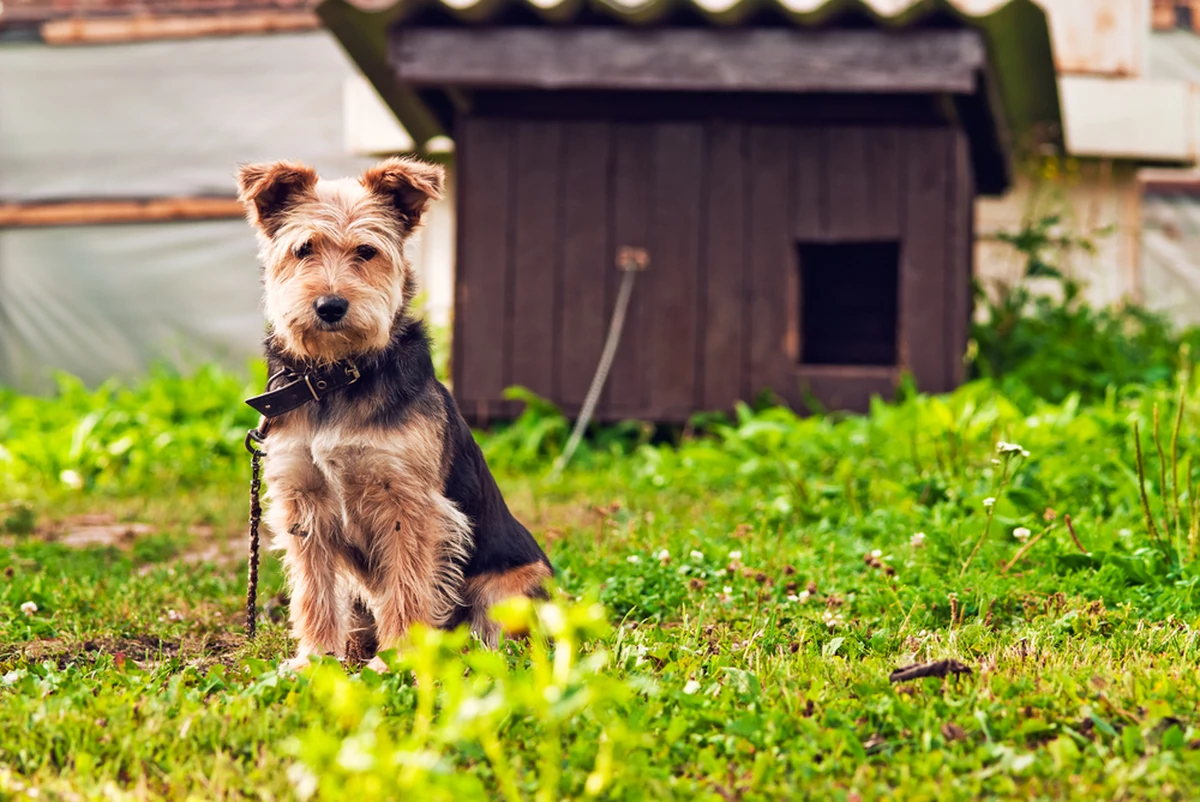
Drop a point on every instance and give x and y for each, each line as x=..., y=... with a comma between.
x=111, y=30
x=694, y=60
x=97, y=212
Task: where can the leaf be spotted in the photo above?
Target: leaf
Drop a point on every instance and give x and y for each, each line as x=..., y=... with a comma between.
x=831, y=648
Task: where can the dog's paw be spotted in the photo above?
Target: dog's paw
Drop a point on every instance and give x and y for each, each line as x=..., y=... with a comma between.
x=295, y=664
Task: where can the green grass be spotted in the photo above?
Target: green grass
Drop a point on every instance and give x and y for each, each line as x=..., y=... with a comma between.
x=729, y=608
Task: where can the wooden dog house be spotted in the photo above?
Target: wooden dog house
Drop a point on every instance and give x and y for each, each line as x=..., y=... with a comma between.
x=803, y=183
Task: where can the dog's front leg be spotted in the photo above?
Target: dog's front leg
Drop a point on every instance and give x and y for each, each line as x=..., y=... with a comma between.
x=319, y=606
x=417, y=546
x=307, y=524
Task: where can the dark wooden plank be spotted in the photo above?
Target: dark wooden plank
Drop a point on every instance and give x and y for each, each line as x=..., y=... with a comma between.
x=587, y=258
x=535, y=255
x=759, y=107
x=771, y=262
x=810, y=184
x=689, y=59
x=633, y=172
x=960, y=247
x=485, y=162
x=844, y=388
x=671, y=285
x=923, y=276
x=884, y=169
x=850, y=184
x=810, y=223
x=723, y=286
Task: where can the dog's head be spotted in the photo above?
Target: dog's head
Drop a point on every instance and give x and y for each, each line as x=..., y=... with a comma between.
x=333, y=251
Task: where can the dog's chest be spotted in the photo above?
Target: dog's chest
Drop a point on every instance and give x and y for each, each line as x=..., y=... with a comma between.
x=349, y=461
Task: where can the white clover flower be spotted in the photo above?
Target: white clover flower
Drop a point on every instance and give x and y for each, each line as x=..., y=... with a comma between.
x=989, y=501
x=877, y=553
x=918, y=540
x=728, y=590
x=691, y=687
x=833, y=620
x=633, y=558
x=1008, y=448
x=71, y=479
x=29, y=608
x=735, y=555
x=663, y=556
x=1021, y=533
x=1025, y=453
x=803, y=597
x=793, y=598
x=720, y=572
x=697, y=556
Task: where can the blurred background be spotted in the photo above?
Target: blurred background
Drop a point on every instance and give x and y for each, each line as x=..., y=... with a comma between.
x=122, y=122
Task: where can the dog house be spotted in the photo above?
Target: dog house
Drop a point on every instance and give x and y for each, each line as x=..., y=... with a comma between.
x=801, y=181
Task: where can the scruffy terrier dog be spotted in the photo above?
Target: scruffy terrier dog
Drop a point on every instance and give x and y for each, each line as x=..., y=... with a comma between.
x=378, y=494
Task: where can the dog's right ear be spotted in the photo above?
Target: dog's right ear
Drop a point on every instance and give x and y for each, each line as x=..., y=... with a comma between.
x=267, y=190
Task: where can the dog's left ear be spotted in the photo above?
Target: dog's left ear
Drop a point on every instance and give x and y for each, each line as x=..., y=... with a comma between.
x=268, y=190
x=407, y=184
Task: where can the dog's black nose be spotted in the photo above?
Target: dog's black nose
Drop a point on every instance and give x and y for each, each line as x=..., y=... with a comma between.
x=331, y=308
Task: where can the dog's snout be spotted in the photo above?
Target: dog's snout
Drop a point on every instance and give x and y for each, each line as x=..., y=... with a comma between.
x=331, y=308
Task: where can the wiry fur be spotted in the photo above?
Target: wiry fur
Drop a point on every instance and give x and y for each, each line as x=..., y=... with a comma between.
x=378, y=494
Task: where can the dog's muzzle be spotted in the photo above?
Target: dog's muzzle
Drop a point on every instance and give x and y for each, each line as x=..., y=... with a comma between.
x=331, y=308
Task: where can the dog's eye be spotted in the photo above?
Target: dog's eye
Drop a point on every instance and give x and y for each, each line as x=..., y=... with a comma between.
x=304, y=249
x=366, y=252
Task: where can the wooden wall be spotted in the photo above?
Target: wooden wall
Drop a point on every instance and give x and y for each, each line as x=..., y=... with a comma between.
x=720, y=206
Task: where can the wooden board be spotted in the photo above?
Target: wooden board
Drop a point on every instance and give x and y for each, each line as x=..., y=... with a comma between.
x=723, y=285
x=849, y=184
x=689, y=59
x=843, y=388
x=627, y=391
x=671, y=285
x=149, y=27
x=924, y=276
x=533, y=267
x=885, y=166
x=587, y=260
x=960, y=253
x=481, y=316
x=771, y=262
x=107, y=212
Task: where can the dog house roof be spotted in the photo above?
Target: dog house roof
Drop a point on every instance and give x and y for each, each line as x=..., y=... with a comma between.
x=1023, y=91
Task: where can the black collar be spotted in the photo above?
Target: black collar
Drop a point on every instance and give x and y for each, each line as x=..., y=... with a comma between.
x=303, y=388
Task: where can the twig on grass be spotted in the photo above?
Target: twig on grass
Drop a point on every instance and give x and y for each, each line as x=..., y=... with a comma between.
x=939, y=668
x=1025, y=548
x=1075, y=537
x=1141, y=471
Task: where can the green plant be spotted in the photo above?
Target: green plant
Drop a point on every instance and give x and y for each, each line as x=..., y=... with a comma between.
x=1052, y=344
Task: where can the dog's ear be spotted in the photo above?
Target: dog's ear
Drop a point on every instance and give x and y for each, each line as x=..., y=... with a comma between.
x=407, y=184
x=267, y=190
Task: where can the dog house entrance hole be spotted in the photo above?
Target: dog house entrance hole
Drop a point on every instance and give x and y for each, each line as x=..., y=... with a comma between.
x=849, y=303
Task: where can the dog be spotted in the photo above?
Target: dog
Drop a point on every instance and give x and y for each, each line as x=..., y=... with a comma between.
x=378, y=494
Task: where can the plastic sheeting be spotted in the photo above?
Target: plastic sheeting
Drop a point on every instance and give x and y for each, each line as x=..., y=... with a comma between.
x=149, y=120
x=167, y=118
x=1171, y=256
x=99, y=301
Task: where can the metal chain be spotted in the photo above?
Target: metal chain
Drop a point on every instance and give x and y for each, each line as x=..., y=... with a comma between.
x=254, y=440
x=631, y=261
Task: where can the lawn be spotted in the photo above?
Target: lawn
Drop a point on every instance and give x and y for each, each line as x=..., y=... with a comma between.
x=731, y=604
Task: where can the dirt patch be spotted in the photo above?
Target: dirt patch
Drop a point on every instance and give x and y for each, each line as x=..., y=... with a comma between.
x=97, y=529
x=144, y=651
